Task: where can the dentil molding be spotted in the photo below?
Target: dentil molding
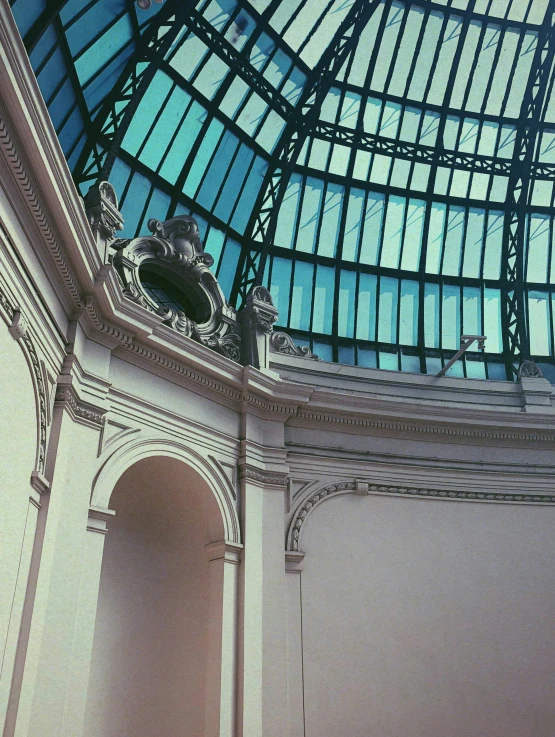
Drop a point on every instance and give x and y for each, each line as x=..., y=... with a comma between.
x=263, y=477
x=364, y=488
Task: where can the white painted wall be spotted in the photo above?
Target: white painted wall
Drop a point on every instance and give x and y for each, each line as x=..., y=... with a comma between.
x=149, y=658
x=425, y=618
x=18, y=446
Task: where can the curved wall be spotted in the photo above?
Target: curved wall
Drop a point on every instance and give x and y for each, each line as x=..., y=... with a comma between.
x=427, y=618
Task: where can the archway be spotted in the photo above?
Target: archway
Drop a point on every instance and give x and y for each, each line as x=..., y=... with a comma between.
x=149, y=668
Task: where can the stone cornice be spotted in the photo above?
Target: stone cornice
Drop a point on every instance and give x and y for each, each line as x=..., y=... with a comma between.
x=365, y=488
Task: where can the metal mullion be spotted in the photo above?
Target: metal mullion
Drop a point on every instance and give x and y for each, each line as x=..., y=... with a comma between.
x=155, y=122
x=310, y=35
x=48, y=15
x=372, y=65
x=174, y=136
x=99, y=36
x=417, y=48
x=493, y=70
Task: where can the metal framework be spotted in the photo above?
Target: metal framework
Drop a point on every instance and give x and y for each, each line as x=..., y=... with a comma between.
x=431, y=202
x=516, y=339
x=265, y=212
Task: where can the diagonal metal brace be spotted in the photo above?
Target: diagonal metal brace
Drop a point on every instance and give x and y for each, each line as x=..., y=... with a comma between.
x=466, y=342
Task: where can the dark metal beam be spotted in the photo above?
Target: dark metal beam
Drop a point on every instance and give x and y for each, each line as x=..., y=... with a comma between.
x=516, y=340
x=263, y=221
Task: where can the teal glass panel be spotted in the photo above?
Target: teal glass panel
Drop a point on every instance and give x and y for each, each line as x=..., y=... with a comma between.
x=234, y=182
x=373, y=223
x=184, y=141
x=366, y=307
x=301, y=297
x=331, y=213
x=106, y=47
x=473, y=243
x=51, y=75
x=217, y=170
x=133, y=204
x=451, y=317
x=408, y=319
x=353, y=224
x=202, y=158
x=346, y=307
x=310, y=213
x=287, y=217
x=431, y=316
x=62, y=103
x=453, y=241
x=228, y=265
x=153, y=101
x=494, y=243
x=26, y=12
x=393, y=232
x=214, y=244
x=166, y=125
x=280, y=287
x=412, y=240
x=538, y=247
x=43, y=46
x=261, y=51
x=248, y=196
x=98, y=88
x=540, y=324
x=472, y=311
x=389, y=299
x=323, y=300
x=492, y=321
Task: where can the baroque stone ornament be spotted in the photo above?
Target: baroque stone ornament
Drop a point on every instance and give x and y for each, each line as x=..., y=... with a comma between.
x=354, y=487
x=283, y=343
x=529, y=370
x=79, y=410
x=172, y=262
x=101, y=204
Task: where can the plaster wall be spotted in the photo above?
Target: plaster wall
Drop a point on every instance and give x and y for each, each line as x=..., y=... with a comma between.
x=148, y=669
x=18, y=439
x=427, y=618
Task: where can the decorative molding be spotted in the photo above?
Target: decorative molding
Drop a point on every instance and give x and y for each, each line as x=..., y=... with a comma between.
x=19, y=172
x=26, y=342
x=294, y=561
x=19, y=327
x=469, y=432
x=349, y=487
x=224, y=550
x=283, y=343
x=79, y=410
x=98, y=519
x=263, y=477
x=110, y=331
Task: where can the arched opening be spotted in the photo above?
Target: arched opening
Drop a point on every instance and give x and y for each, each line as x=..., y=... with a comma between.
x=149, y=664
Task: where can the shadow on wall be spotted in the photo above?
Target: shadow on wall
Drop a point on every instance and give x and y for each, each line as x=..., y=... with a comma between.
x=149, y=659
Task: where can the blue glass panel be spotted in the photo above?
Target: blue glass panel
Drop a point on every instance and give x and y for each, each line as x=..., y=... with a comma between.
x=366, y=312
x=472, y=311
x=431, y=316
x=91, y=24
x=410, y=363
x=218, y=170
x=389, y=360
x=451, y=317
x=228, y=265
x=249, y=194
x=373, y=219
x=308, y=227
x=287, y=217
x=72, y=161
x=294, y=85
x=323, y=299
x=408, y=323
x=165, y=127
x=353, y=224
x=277, y=68
x=62, y=104
x=280, y=287
x=98, y=88
x=346, y=355
x=473, y=242
x=183, y=143
x=234, y=182
x=188, y=57
x=71, y=131
x=119, y=176
x=134, y=203
x=100, y=53
x=389, y=298
x=367, y=357
x=26, y=13
x=240, y=30
x=202, y=159
x=494, y=241
x=492, y=320
x=324, y=351
x=261, y=51
x=219, y=12
x=149, y=107
x=157, y=208
x=301, y=299
x=52, y=74
x=211, y=76
x=346, y=308
x=214, y=244
x=43, y=46
x=393, y=232
x=538, y=247
x=327, y=242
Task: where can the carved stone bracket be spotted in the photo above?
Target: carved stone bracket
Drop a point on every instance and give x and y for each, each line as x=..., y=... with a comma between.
x=101, y=206
x=283, y=343
x=79, y=410
x=257, y=318
x=529, y=370
x=366, y=488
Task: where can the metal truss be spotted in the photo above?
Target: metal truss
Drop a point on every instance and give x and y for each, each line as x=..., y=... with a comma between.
x=516, y=341
x=423, y=154
x=263, y=222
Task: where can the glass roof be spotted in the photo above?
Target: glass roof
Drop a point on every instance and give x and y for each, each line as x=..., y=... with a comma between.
x=412, y=153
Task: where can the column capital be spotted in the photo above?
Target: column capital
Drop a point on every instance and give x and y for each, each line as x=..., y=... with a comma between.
x=224, y=549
